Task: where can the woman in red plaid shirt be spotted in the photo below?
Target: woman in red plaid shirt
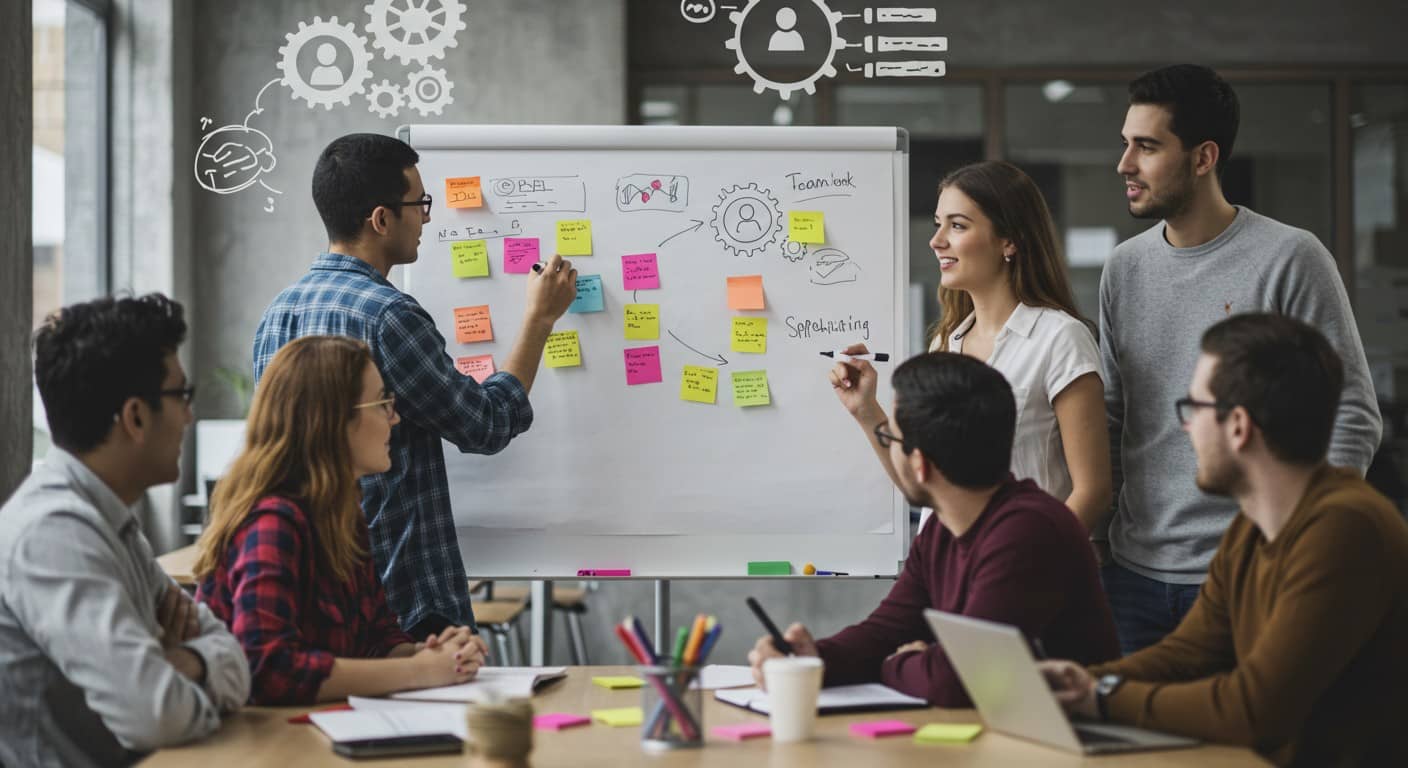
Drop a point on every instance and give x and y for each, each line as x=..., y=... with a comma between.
x=285, y=559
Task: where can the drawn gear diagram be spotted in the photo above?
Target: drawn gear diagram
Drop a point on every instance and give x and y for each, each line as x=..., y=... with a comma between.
x=428, y=91
x=808, y=83
x=385, y=99
x=410, y=31
x=347, y=35
x=740, y=206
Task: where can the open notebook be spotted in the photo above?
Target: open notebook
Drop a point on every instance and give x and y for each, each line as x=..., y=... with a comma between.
x=870, y=697
x=490, y=684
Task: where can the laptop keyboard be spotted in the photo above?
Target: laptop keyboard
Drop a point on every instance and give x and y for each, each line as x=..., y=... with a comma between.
x=1094, y=737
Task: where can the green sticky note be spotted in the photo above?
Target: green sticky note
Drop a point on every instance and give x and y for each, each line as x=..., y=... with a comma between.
x=642, y=321
x=947, y=733
x=616, y=683
x=769, y=568
x=750, y=334
x=700, y=384
x=622, y=717
x=750, y=388
x=574, y=237
x=806, y=227
x=470, y=258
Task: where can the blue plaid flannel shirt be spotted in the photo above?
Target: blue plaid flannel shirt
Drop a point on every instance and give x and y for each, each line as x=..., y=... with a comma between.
x=413, y=538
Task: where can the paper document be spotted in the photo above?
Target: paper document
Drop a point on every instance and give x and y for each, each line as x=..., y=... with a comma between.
x=384, y=723
x=490, y=684
x=714, y=676
x=842, y=698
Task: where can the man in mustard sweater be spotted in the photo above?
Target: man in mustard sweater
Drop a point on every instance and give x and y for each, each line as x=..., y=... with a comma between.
x=1297, y=645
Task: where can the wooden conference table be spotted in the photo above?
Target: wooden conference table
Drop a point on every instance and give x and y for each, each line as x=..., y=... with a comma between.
x=262, y=736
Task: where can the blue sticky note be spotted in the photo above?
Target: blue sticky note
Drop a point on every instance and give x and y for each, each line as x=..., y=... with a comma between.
x=589, y=295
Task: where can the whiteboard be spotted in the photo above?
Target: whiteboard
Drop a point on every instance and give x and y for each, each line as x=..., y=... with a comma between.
x=621, y=476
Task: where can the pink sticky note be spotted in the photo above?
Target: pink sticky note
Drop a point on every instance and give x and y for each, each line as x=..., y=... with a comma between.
x=520, y=253
x=478, y=367
x=643, y=365
x=556, y=721
x=640, y=271
x=878, y=728
x=741, y=732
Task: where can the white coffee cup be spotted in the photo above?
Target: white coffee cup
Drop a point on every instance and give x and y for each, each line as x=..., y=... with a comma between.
x=794, y=683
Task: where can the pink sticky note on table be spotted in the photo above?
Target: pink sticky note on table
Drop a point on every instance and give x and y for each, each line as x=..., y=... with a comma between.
x=478, y=367
x=878, y=728
x=520, y=253
x=643, y=365
x=556, y=721
x=639, y=271
x=741, y=732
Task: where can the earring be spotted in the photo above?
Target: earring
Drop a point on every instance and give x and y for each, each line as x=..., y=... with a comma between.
x=1007, y=259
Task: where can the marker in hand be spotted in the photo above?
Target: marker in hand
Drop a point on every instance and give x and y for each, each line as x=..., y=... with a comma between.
x=778, y=642
x=879, y=357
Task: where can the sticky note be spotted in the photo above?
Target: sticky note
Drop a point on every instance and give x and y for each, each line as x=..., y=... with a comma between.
x=623, y=717
x=947, y=733
x=643, y=365
x=463, y=192
x=556, y=721
x=741, y=732
x=563, y=350
x=470, y=258
x=750, y=388
x=589, y=295
x=520, y=253
x=878, y=728
x=618, y=682
x=700, y=384
x=750, y=334
x=806, y=227
x=472, y=324
x=769, y=568
x=574, y=237
x=746, y=292
x=640, y=271
x=642, y=321
x=481, y=367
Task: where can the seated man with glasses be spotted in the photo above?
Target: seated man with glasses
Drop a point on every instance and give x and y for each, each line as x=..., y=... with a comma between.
x=1296, y=643
x=1004, y=549
x=101, y=654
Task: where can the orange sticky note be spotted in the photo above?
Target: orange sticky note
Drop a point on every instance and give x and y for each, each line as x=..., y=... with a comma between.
x=463, y=192
x=479, y=367
x=746, y=292
x=472, y=324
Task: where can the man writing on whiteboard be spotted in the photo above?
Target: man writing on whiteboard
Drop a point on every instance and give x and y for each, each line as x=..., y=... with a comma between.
x=1004, y=550
x=374, y=205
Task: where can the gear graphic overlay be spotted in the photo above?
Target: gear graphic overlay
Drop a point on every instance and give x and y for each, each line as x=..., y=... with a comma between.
x=412, y=31
x=385, y=99
x=768, y=61
x=351, y=83
x=746, y=219
x=428, y=91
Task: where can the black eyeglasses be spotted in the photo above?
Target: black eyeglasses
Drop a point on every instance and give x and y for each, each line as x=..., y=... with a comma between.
x=424, y=203
x=1184, y=407
x=885, y=438
x=186, y=394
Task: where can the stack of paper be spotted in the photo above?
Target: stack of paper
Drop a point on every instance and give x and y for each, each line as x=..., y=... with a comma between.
x=842, y=698
x=383, y=719
x=489, y=685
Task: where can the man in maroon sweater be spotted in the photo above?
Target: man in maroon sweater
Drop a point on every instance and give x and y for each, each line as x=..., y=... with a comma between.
x=1003, y=549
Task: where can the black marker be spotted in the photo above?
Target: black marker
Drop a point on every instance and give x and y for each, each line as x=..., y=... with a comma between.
x=781, y=645
x=879, y=357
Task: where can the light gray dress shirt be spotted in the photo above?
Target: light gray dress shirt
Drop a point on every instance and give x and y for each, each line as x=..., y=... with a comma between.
x=83, y=674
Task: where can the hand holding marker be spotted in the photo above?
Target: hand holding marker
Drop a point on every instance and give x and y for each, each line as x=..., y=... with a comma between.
x=841, y=356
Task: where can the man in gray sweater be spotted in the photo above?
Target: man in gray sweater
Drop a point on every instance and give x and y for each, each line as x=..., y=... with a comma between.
x=1206, y=260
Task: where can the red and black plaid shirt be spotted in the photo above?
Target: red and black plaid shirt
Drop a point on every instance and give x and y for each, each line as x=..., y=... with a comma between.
x=288, y=611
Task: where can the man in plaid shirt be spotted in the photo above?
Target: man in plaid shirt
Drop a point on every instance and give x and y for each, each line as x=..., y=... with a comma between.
x=362, y=186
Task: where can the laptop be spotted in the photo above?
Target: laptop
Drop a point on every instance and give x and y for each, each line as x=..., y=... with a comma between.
x=997, y=669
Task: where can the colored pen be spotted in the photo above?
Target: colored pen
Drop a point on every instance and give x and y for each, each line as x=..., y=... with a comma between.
x=696, y=636
x=782, y=646
x=709, y=641
x=640, y=633
x=603, y=571
x=538, y=266
x=879, y=357
x=811, y=570
x=681, y=637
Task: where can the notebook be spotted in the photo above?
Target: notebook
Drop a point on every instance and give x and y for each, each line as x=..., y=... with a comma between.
x=491, y=684
x=870, y=697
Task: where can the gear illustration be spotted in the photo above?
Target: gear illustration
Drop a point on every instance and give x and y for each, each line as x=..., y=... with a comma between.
x=351, y=84
x=808, y=83
x=410, y=31
x=428, y=91
x=385, y=99
x=746, y=219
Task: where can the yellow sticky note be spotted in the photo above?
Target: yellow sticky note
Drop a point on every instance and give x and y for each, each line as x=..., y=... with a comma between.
x=574, y=237
x=642, y=321
x=473, y=324
x=700, y=384
x=563, y=350
x=806, y=227
x=615, y=683
x=750, y=388
x=750, y=334
x=947, y=733
x=746, y=292
x=623, y=717
x=464, y=192
x=470, y=258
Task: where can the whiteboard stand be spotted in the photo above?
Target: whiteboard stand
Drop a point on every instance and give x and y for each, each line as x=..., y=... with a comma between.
x=540, y=623
x=662, y=618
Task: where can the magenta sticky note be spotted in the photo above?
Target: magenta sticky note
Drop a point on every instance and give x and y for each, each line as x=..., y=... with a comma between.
x=741, y=732
x=878, y=728
x=520, y=253
x=639, y=271
x=556, y=721
x=643, y=365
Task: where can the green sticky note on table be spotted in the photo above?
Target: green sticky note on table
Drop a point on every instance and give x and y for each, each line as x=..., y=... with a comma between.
x=622, y=717
x=750, y=388
x=470, y=258
x=617, y=683
x=574, y=237
x=947, y=733
x=769, y=568
x=806, y=226
x=642, y=321
x=750, y=334
x=699, y=384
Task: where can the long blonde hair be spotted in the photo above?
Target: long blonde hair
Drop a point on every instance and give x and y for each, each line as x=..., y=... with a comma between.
x=1011, y=200
x=296, y=446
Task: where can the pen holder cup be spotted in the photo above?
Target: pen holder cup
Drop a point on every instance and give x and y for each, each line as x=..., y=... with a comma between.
x=674, y=712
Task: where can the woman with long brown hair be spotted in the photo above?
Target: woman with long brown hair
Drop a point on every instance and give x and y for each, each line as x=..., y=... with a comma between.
x=1006, y=300
x=284, y=561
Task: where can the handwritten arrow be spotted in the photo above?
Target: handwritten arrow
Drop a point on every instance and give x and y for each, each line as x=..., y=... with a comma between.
x=257, y=109
x=697, y=224
x=716, y=359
